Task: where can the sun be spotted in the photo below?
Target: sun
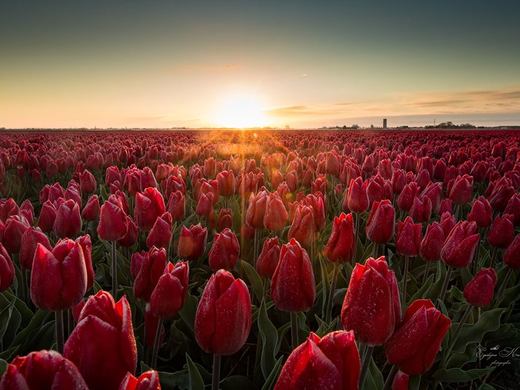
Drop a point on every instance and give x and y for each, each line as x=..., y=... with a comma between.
x=240, y=110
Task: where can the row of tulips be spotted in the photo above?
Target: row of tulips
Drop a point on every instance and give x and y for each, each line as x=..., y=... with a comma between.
x=291, y=228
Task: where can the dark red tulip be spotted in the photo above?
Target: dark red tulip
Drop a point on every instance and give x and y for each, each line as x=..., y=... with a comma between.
x=417, y=341
x=225, y=251
x=86, y=246
x=176, y=205
x=256, y=209
x=223, y=318
x=461, y=191
x=342, y=243
x=372, y=285
x=421, y=209
x=130, y=237
x=87, y=182
x=446, y=206
x=380, y=222
x=7, y=271
x=30, y=239
x=293, y=287
x=192, y=242
x=502, y=231
x=226, y=183
x=15, y=227
x=170, y=291
x=331, y=362
x=512, y=253
x=161, y=232
x=276, y=215
x=42, y=370
x=406, y=197
x=58, y=277
x=102, y=345
x=68, y=219
x=148, y=380
x=408, y=238
x=205, y=205
x=112, y=224
x=513, y=208
x=460, y=245
x=225, y=219
x=151, y=323
x=481, y=212
x=149, y=205
x=401, y=381
x=268, y=258
x=148, y=272
x=47, y=216
x=91, y=210
x=448, y=221
x=480, y=290
x=432, y=242
x=303, y=227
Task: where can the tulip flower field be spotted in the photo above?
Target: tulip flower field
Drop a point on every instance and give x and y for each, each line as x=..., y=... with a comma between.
x=260, y=260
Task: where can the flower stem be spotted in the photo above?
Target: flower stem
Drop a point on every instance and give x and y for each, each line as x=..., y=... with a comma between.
x=367, y=356
x=390, y=378
x=445, y=283
x=456, y=334
x=156, y=344
x=405, y=278
x=294, y=329
x=58, y=324
x=114, y=271
x=333, y=282
x=216, y=372
x=503, y=285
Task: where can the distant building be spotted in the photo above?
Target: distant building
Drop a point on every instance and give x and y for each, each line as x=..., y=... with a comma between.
x=385, y=123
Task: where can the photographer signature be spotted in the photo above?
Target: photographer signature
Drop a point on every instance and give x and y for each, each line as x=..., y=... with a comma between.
x=498, y=355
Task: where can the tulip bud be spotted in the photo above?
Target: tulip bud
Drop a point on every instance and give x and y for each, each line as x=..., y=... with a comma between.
x=87, y=182
x=148, y=271
x=192, y=242
x=268, y=258
x=372, y=285
x=401, y=381
x=102, y=345
x=448, y=221
x=47, y=216
x=226, y=183
x=58, y=277
x=176, y=205
x=461, y=191
x=149, y=205
x=502, y=231
x=479, y=290
x=42, y=370
x=409, y=236
x=225, y=219
x=380, y=222
x=432, y=242
x=223, y=317
x=15, y=227
x=256, y=210
x=303, y=226
x=130, y=237
x=112, y=222
x=481, y=212
x=205, y=205
x=421, y=209
x=148, y=380
x=276, y=215
x=30, y=239
x=513, y=208
x=7, y=271
x=225, y=251
x=512, y=253
x=91, y=210
x=68, y=219
x=86, y=247
x=170, y=292
x=460, y=245
x=417, y=341
x=151, y=323
x=341, y=244
x=330, y=362
x=293, y=287
x=406, y=198
x=161, y=232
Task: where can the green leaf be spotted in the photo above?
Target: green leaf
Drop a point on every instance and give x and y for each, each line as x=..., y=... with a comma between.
x=236, y=382
x=473, y=333
x=374, y=378
x=414, y=383
x=254, y=279
x=273, y=376
x=196, y=382
x=3, y=366
x=188, y=311
x=457, y=375
x=269, y=337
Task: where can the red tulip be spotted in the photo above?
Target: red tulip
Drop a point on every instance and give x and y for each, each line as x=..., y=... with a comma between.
x=460, y=245
x=372, y=308
x=91, y=210
x=303, y=226
x=292, y=286
x=170, y=291
x=130, y=237
x=401, y=381
x=512, y=253
x=409, y=236
x=448, y=221
x=7, y=271
x=481, y=212
x=461, y=191
x=151, y=323
x=223, y=318
x=268, y=258
x=479, y=290
x=176, y=205
x=58, y=277
x=42, y=370
x=149, y=205
x=513, y=208
x=415, y=343
x=421, y=209
x=406, y=198
x=148, y=272
x=68, y=219
x=148, y=380
x=205, y=204
x=225, y=219
x=225, y=251
x=192, y=242
x=15, y=227
x=432, y=242
x=87, y=182
x=276, y=215
x=256, y=209
x=502, y=231
x=112, y=221
x=161, y=232
x=30, y=239
x=331, y=362
x=86, y=247
x=102, y=345
x=380, y=222
x=47, y=216
x=226, y=183
x=341, y=244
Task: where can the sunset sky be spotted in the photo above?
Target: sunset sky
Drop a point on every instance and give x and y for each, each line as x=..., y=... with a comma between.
x=265, y=63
